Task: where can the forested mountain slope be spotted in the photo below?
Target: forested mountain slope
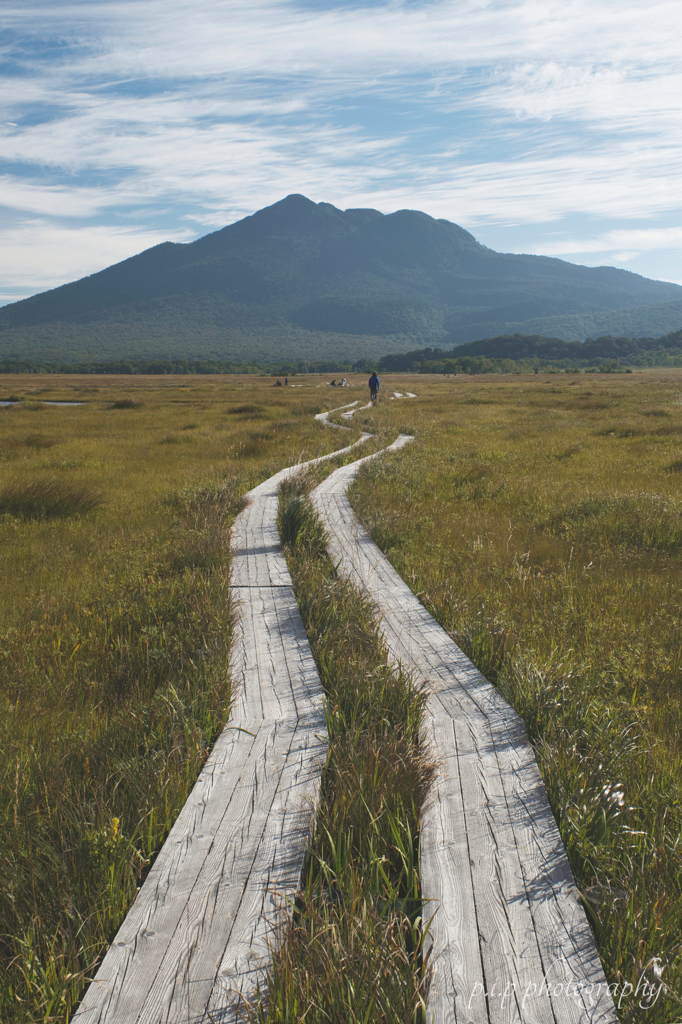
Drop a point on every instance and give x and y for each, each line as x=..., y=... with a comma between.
x=521, y=353
x=306, y=280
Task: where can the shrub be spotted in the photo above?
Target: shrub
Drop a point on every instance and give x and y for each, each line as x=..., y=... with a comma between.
x=125, y=403
x=245, y=410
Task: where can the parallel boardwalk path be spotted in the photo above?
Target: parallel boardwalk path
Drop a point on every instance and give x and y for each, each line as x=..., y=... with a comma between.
x=510, y=941
x=196, y=936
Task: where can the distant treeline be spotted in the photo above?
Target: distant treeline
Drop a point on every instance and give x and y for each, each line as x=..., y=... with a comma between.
x=180, y=366
x=528, y=353
x=509, y=353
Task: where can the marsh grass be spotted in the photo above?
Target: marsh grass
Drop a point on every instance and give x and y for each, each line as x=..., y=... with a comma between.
x=353, y=950
x=633, y=522
x=125, y=403
x=110, y=709
x=48, y=499
x=38, y=441
x=115, y=628
x=548, y=544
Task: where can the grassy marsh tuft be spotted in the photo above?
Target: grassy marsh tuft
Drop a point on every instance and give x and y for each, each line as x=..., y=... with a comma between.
x=125, y=403
x=39, y=441
x=48, y=499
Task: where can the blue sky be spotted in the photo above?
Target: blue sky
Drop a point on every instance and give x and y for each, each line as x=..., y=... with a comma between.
x=543, y=126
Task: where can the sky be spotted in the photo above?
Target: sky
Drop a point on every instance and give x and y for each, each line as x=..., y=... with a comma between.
x=542, y=126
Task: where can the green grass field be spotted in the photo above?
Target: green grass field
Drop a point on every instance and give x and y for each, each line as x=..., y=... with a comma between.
x=540, y=521
x=538, y=518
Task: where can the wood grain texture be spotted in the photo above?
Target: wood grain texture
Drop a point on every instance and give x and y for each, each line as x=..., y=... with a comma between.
x=196, y=938
x=510, y=940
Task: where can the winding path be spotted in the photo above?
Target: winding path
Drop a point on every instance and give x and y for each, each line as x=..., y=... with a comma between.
x=510, y=939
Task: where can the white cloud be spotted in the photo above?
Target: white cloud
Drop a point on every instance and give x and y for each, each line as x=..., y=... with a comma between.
x=37, y=254
x=171, y=37
x=625, y=239
x=48, y=199
x=481, y=111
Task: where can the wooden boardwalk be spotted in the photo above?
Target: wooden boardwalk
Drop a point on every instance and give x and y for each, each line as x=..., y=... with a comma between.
x=196, y=937
x=510, y=941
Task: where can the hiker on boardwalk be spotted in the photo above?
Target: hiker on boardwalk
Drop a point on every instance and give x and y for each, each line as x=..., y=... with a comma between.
x=374, y=385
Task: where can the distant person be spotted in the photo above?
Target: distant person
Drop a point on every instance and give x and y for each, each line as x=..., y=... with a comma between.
x=286, y=380
x=278, y=383
x=333, y=383
x=374, y=385
x=343, y=383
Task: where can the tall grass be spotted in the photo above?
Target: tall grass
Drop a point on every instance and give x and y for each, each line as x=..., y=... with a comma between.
x=353, y=949
x=110, y=708
x=48, y=499
x=115, y=627
x=546, y=540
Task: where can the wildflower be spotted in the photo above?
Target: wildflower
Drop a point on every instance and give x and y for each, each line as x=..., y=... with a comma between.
x=115, y=824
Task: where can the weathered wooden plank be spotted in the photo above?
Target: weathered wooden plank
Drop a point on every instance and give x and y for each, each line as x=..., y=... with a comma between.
x=492, y=858
x=509, y=947
x=196, y=935
x=323, y=417
x=349, y=415
x=124, y=979
x=447, y=879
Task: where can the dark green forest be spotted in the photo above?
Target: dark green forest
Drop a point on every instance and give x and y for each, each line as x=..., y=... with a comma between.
x=518, y=353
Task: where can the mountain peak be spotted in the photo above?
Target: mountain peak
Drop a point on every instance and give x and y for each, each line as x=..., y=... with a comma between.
x=309, y=275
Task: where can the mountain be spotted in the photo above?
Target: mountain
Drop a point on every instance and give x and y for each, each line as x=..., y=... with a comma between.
x=306, y=280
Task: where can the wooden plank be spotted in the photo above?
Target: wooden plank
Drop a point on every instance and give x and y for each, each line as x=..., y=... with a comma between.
x=349, y=415
x=196, y=936
x=510, y=937
x=323, y=417
x=447, y=883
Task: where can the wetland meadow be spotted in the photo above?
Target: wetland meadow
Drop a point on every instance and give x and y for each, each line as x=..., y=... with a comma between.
x=538, y=518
